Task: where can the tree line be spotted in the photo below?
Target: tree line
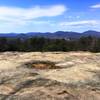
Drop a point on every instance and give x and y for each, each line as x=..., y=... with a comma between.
x=43, y=44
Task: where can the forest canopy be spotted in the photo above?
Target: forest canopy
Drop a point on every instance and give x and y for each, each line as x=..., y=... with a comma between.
x=44, y=44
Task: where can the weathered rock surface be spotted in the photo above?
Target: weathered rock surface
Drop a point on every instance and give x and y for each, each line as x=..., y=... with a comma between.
x=75, y=77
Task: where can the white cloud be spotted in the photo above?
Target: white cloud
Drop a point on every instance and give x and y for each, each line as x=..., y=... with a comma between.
x=20, y=16
x=9, y=13
x=95, y=6
x=39, y=22
x=80, y=23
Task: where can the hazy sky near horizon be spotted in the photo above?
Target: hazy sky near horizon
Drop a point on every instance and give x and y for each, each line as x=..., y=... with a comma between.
x=49, y=15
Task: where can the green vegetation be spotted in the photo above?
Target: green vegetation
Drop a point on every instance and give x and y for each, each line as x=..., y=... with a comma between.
x=43, y=44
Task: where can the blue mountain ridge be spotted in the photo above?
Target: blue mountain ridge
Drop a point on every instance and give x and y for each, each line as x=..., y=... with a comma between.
x=55, y=35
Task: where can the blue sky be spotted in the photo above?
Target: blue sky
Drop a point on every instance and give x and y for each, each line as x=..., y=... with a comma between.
x=49, y=15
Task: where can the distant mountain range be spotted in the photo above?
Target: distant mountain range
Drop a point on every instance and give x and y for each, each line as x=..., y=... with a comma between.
x=55, y=35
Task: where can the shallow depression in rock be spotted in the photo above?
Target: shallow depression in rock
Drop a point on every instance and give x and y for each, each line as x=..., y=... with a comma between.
x=42, y=65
